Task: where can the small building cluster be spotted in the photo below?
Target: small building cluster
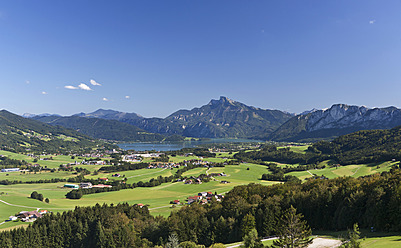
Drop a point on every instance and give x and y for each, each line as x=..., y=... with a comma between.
x=164, y=165
x=191, y=180
x=132, y=158
x=204, y=197
x=28, y=216
x=86, y=185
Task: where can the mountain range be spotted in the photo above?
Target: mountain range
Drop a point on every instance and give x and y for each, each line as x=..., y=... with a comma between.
x=223, y=118
x=26, y=135
x=226, y=118
x=339, y=119
x=102, y=128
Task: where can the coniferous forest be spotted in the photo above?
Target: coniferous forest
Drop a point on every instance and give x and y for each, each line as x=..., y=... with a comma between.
x=327, y=204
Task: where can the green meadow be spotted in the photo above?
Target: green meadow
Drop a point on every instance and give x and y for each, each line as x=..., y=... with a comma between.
x=348, y=170
x=157, y=198
x=32, y=176
x=368, y=239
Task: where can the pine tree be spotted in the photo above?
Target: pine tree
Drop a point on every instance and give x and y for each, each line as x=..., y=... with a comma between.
x=353, y=238
x=99, y=238
x=251, y=240
x=248, y=223
x=173, y=241
x=293, y=231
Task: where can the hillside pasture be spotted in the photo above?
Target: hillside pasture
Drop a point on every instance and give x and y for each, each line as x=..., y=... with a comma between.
x=348, y=170
x=158, y=198
x=32, y=176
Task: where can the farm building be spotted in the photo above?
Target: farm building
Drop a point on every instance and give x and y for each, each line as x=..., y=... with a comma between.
x=85, y=185
x=29, y=216
x=9, y=169
x=72, y=186
x=12, y=218
x=102, y=186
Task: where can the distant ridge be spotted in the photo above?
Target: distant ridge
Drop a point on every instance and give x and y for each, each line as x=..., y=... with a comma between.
x=102, y=128
x=338, y=120
x=226, y=118
x=223, y=118
x=22, y=135
x=28, y=115
x=109, y=114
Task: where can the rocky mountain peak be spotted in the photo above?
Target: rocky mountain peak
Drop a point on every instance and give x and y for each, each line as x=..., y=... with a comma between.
x=223, y=100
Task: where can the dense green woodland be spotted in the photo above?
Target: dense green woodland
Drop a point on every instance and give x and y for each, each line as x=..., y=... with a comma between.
x=363, y=147
x=335, y=204
x=356, y=148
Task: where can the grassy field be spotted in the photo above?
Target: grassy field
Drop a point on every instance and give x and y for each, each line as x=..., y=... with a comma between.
x=299, y=149
x=32, y=176
x=349, y=170
x=383, y=241
x=157, y=198
x=369, y=239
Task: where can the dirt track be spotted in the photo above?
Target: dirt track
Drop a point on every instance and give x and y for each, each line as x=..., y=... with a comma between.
x=324, y=243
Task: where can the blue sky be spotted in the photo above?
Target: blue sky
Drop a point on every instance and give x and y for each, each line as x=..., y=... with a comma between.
x=155, y=57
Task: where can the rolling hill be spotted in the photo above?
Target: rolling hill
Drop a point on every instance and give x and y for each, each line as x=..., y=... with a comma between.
x=21, y=134
x=107, y=129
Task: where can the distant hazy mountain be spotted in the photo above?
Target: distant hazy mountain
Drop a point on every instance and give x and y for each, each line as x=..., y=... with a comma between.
x=308, y=111
x=223, y=118
x=28, y=115
x=109, y=114
x=102, y=128
x=338, y=120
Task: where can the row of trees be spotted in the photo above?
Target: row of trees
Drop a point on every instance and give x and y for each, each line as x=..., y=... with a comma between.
x=37, y=196
x=123, y=166
x=6, y=162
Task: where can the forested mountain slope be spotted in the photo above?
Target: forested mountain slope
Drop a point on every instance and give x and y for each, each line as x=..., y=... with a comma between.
x=363, y=146
x=102, y=128
x=22, y=134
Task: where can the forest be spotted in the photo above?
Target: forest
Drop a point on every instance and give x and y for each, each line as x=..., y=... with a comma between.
x=361, y=147
x=327, y=204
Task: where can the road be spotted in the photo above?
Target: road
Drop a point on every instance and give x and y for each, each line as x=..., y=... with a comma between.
x=317, y=243
x=16, y=205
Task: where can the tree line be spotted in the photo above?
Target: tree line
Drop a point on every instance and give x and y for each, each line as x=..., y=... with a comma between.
x=333, y=204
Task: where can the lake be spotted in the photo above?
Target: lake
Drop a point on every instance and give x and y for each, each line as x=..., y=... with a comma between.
x=173, y=146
